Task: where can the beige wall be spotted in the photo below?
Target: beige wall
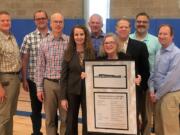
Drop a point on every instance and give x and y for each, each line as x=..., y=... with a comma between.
x=74, y=8
x=155, y=8
x=26, y=8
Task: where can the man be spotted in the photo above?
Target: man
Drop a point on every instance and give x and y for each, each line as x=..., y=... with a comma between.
x=138, y=52
x=141, y=34
x=164, y=84
x=97, y=35
x=49, y=60
x=29, y=60
x=10, y=65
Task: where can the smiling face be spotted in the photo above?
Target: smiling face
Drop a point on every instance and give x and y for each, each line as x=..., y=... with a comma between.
x=123, y=29
x=79, y=36
x=5, y=23
x=165, y=36
x=142, y=24
x=41, y=20
x=110, y=46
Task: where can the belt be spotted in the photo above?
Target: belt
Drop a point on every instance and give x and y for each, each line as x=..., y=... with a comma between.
x=11, y=73
x=53, y=80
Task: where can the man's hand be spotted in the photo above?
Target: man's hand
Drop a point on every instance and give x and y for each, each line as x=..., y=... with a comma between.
x=40, y=95
x=2, y=94
x=152, y=97
x=25, y=85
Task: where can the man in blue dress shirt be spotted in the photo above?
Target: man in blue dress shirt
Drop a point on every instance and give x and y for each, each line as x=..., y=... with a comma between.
x=164, y=84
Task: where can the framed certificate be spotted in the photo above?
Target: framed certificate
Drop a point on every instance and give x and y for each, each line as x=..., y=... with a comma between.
x=111, y=97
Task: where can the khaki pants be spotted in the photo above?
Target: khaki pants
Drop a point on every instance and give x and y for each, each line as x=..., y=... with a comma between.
x=167, y=114
x=149, y=115
x=51, y=105
x=9, y=106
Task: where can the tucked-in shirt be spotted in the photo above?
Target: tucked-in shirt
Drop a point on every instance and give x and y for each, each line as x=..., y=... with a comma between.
x=9, y=54
x=153, y=46
x=97, y=41
x=30, y=45
x=166, y=75
x=49, y=59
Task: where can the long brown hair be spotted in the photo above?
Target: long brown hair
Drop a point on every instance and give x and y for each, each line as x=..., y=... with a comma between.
x=88, y=47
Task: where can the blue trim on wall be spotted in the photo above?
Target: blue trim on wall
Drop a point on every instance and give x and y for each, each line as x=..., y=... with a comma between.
x=154, y=25
x=21, y=27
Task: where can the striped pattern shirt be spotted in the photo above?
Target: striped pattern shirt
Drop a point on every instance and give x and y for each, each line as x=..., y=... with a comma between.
x=30, y=45
x=9, y=54
x=49, y=59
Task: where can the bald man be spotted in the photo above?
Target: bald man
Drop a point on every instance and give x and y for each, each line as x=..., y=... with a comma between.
x=48, y=73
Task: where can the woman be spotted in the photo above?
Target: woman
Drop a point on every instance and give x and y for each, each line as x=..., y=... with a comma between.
x=72, y=80
x=111, y=49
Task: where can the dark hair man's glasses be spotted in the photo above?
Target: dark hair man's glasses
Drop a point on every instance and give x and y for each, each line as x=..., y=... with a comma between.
x=42, y=18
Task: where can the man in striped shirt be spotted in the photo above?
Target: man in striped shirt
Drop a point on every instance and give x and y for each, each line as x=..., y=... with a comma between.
x=48, y=73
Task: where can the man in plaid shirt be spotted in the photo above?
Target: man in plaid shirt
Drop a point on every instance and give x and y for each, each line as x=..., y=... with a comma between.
x=29, y=58
x=48, y=73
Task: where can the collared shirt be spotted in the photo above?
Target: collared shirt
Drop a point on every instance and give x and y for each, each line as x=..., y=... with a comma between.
x=97, y=41
x=153, y=46
x=30, y=45
x=9, y=54
x=49, y=59
x=125, y=45
x=166, y=75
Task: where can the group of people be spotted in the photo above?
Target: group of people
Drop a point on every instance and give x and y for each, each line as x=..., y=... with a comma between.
x=52, y=67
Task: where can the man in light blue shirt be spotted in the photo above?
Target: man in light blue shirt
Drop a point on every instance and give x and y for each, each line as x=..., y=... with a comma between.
x=164, y=84
x=153, y=45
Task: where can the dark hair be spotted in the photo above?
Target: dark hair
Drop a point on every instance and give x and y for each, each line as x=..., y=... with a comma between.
x=169, y=26
x=88, y=48
x=39, y=11
x=4, y=13
x=143, y=14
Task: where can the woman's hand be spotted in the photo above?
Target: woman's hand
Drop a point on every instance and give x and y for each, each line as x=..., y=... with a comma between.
x=64, y=104
x=138, y=80
x=83, y=75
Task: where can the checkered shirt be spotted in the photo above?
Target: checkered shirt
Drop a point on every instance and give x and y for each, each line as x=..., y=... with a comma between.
x=30, y=45
x=50, y=57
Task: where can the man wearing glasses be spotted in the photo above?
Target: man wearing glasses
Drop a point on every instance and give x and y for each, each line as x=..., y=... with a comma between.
x=48, y=73
x=141, y=34
x=29, y=49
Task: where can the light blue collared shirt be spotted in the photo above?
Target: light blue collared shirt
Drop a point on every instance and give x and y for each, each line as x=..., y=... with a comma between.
x=153, y=46
x=166, y=75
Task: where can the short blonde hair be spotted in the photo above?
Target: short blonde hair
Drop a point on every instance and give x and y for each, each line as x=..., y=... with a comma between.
x=117, y=42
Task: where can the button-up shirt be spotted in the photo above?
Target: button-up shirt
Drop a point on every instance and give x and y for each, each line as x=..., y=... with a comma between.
x=9, y=54
x=153, y=46
x=49, y=59
x=97, y=41
x=30, y=45
x=166, y=75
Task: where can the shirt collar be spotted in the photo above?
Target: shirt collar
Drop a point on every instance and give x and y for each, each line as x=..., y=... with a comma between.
x=4, y=36
x=169, y=48
x=39, y=33
x=145, y=38
x=52, y=38
x=102, y=34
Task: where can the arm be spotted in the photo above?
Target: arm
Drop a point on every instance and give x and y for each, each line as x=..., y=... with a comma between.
x=25, y=61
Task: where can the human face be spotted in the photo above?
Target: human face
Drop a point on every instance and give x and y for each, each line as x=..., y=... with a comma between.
x=41, y=20
x=110, y=46
x=79, y=36
x=142, y=24
x=123, y=29
x=164, y=36
x=57, y=23
x=95, y=24
x=5, y=23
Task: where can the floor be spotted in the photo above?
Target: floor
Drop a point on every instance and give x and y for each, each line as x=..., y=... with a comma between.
x=22, y=122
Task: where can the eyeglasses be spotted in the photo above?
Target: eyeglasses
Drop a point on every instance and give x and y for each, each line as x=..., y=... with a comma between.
x=42, y=18
x=144, y=22
x=110, y=42
x=57, y=22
